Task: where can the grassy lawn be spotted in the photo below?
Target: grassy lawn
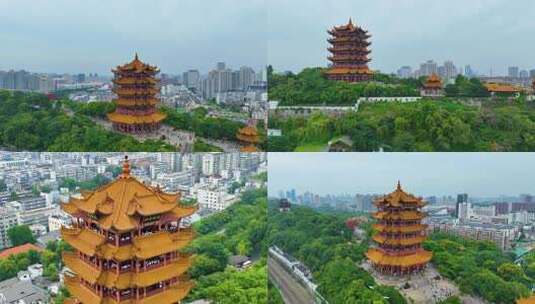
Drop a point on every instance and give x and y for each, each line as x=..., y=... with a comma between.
x=312, y=147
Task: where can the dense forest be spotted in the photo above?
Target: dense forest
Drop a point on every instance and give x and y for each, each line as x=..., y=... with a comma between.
x=240, y=229
x=326, y=246
x=423, y=126
x=30, y=121
x=480, y=268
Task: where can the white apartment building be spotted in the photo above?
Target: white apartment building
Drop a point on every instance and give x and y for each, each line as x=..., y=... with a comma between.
x=56, y=221
x=8, y=219
x=175, y=181
x=210, y=164
x=214, y=199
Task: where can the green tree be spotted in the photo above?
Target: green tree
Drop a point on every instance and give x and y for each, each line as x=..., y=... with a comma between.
x=20, y=235
x=51, y=272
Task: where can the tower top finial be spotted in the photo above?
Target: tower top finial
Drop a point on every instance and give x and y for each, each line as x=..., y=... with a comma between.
x=350, y=21
x=399, y=185
x=136, y=57
x=126, y=167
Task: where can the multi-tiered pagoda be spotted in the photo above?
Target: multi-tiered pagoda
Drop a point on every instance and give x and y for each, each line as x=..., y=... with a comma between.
x=248, y=137
x=349, y=53
x=399, y=234
x=432, y=87
x=136, y=86
x=127, y=240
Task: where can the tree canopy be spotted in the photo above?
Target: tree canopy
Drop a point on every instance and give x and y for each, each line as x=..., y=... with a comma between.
x=20, y=235
x=311, y=86
x=479, y=268
x=29, y=121
x=238, y=230
x=427, y=125
x=324, y=244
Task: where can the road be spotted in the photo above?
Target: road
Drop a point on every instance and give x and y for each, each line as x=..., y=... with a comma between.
x=292, y=292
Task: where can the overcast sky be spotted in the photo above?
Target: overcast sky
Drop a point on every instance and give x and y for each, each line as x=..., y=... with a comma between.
x=483, y=33
x=96, y=35
x=478, y=174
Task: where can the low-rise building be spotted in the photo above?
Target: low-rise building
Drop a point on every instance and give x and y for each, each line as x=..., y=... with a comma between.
x=214, y=199
x=21, y=292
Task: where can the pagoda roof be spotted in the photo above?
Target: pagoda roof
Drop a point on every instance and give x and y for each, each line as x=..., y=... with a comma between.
x=530, y=300
x=381, y=239
x=348, y=27
x=111, y=279
x=248, y=130
x=338, y=58
x=353, y=40
x=118, y=203
x=135, y=91
x=126, y=80
x=401, y=228
x=502, y=88
x=136, y=66
x=379, y=257
x=173, y=294
x=399, y=198
x=249, y=149
x=433, y=81
x=142, y=247
x=137, y=119
x=351, y=48
x=343, y=70
x=136, y=102
x=248, y=134
x=399, y=215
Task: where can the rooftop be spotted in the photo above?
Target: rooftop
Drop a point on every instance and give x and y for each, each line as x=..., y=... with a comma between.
x=16, y=291
x=18, y=249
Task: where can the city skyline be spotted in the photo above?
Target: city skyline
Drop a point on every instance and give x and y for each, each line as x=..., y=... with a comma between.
x=405, y=33
x=427, y=174
x=92, y=37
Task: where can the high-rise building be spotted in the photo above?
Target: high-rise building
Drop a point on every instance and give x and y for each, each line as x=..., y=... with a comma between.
x=512, y=71
x=523, y=74
x=461, y=198
x=246, y=78
x=400, y=234
x=210, y=164
x=468, y=72
x=428, y=68
x=221, y=66
x=532, y=74
x=349, y=53
x=404, y=72
x=450, y=71
x=218, y=81
x=441, y=71
x=127, y=241
x=191, y=79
